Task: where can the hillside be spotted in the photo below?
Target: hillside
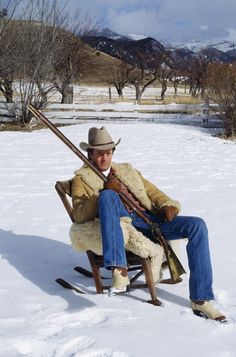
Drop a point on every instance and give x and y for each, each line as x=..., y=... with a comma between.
x=97, y=67
x=126, y=49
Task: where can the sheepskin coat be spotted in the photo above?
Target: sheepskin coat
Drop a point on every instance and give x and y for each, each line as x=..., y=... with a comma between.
x=85, y=232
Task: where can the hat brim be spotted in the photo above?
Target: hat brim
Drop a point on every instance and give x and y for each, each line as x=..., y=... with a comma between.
x=85, y=146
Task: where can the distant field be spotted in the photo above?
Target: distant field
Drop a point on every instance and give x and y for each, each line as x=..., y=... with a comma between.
x=99, y=94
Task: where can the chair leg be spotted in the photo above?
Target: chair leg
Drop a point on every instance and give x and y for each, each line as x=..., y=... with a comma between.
x=150, y=282
x=96, y=273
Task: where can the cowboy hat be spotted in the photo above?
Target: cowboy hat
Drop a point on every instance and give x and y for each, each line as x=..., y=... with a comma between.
x=99, y=139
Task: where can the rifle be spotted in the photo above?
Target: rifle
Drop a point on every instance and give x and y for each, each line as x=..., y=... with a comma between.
x=175, y=267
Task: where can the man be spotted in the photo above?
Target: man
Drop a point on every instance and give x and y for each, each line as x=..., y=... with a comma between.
x=92, y=198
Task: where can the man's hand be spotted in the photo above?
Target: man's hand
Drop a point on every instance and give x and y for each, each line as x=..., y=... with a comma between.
x=168, y=213
x=112, y=184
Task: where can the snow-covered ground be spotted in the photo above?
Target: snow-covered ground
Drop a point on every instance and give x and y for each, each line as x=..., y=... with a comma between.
x=98, y=94
x=93, y=102
x=40, y=318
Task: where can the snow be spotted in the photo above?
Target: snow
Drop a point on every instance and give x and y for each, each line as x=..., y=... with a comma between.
x=221, y=44
x=40, y=318
x=97, y=94
x=136, y=37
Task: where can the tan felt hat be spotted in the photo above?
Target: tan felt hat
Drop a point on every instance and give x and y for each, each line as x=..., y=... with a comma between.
x=99, y=139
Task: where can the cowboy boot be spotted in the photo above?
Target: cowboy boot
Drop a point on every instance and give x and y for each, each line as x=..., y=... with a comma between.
x=207, y=310
x=120, y=281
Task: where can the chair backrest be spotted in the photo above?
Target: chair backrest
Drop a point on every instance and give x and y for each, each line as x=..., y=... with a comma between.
x=63, y=189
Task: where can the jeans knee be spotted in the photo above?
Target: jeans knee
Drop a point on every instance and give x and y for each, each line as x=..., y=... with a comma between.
x=199, y=224
x=107, y=195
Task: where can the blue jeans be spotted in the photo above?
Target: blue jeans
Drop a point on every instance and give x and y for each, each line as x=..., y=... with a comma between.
x=111, y=209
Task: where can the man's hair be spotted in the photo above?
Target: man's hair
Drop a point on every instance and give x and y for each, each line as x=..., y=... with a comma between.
x=90, y=152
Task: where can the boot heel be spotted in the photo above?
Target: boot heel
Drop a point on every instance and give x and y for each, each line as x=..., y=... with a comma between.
x=200, y=314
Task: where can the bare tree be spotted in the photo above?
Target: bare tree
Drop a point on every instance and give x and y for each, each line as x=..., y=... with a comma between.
x=67, y=65
x=221, y=85
x=178, y=73
x=142, y=75
x=72, y=54
x=7, y=62
x=38, y=41
x=196, y=68
x=141, y=78
x=7, y=10
x=7, y=44
x=119, y=77
x=37, y=48
x=160, y=67
x=163, y=76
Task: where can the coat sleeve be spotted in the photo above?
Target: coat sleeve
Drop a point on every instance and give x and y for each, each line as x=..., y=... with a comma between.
x=84, y=201
x=157, y=197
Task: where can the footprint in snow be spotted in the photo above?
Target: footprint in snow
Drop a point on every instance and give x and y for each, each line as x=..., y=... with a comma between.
x=74, y=347
x=104, y=353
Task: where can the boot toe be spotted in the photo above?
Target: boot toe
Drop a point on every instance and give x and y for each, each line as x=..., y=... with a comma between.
x=208, y=311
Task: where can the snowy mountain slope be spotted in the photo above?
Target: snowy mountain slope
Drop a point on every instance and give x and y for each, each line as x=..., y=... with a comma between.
x=127, y=47
x=223, y=45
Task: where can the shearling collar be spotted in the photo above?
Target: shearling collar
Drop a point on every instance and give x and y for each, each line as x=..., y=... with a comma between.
x=125, y=173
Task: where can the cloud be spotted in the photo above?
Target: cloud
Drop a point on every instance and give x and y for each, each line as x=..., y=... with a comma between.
x=232, y=34
x=143, y=21
x=164, y=19
x=204, y=27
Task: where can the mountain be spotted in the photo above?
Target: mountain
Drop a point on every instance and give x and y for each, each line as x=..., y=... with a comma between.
x=135, y=37
x=133, y=46
x=106, y=32
x=216, y=55
x=129, y=50
x=223, y=45
x=221, y=50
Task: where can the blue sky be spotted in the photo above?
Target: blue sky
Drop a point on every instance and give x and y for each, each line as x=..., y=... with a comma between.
x=167, y=20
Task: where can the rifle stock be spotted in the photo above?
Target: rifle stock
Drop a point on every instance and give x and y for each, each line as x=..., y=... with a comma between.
x=175, y=267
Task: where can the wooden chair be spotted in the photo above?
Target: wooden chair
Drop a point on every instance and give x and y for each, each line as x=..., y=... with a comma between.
x=135, y=263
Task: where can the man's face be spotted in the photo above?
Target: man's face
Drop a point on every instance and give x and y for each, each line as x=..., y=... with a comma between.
x=101, y=159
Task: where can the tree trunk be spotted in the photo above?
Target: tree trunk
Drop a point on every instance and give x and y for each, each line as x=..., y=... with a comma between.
x=175, y=88
x=7, y=91
x=120, y=93
x=163, y=90
x=119, y=90
x=67, y=95
x=109, y=91
x=25, y=115
x=138, y=94
x=9, y=96
x=194, y=92
x=202, y=93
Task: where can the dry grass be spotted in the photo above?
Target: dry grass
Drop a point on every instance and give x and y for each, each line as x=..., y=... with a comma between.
x=26, y=128
x=169, y=99
x=97, y=68
x=223, y=136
